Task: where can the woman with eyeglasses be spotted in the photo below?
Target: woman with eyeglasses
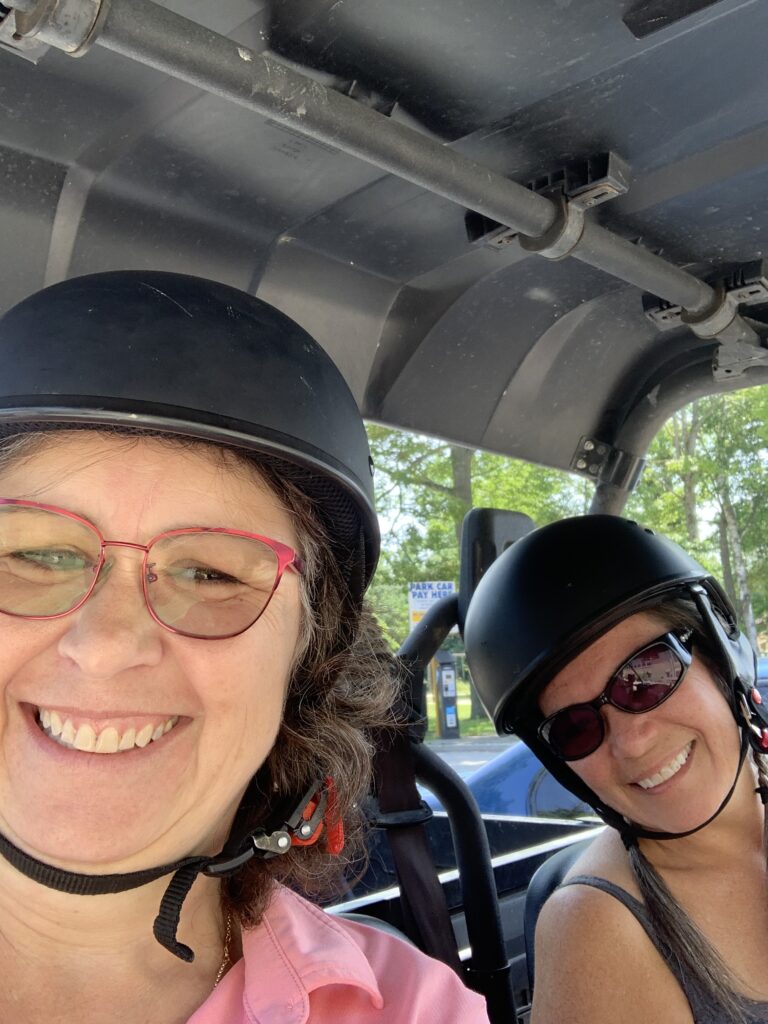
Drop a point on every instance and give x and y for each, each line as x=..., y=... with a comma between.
x=189, y=679
x=617, y=659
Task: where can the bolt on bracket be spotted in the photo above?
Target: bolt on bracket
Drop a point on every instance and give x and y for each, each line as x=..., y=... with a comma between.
x=15, y=43
x=605, y=464
x=68, y=25
x=584, y=183
x=746, y=286
x=733, y=358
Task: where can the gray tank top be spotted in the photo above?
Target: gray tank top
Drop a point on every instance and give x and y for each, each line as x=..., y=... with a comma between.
x=703, y=1009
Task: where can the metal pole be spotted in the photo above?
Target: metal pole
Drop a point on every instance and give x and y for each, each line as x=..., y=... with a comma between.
x=159, y=38
x=623, y=259
x=145, y=32
x=646, y=418
x=490, y=969
x=152, y=35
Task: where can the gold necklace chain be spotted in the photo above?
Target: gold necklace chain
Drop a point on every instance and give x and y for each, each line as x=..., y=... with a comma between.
x=227, y=960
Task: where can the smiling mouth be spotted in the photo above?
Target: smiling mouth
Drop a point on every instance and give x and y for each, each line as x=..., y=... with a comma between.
x=668, y=771
x=101, y=740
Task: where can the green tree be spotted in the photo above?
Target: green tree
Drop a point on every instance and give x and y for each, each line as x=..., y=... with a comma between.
x=425, y=487
x=706, y=486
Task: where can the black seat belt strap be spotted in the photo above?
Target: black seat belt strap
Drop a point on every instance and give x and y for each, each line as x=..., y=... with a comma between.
x=399, y=809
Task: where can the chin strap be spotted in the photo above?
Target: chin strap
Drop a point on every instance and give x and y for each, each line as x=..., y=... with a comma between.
x=630, y=831
x=747, y=707
x=752, y=720
x=315, y=814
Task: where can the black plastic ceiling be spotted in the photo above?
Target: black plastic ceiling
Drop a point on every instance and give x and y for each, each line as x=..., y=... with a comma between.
x=106, y=164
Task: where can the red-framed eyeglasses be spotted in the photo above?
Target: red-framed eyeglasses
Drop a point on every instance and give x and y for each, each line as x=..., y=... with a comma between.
x=203, y=582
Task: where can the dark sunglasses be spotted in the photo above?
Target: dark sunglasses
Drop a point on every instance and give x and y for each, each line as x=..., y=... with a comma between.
x=641, y=684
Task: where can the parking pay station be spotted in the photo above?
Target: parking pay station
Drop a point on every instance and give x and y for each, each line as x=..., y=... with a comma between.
x=442, y=669
x=447, y=701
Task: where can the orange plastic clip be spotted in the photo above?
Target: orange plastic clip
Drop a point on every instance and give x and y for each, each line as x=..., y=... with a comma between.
x=330, y=823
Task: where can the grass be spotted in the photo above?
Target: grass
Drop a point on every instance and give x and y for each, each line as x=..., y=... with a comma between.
x=468, y=726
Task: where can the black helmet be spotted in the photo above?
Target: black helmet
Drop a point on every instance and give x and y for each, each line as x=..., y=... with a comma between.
x=169, y=353
x=555, y=591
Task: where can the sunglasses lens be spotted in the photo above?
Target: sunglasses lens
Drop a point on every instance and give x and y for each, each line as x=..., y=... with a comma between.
x=47, y=561
x=210, y=584
x=647, y=679
x=574, y=732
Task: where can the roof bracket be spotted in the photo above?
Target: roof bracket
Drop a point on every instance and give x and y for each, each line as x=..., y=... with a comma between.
x=562, y=237
x=69, y=25
x=586, y=183
x=14, y=42
x=733, y=358
x=605, y=464
x=746, y=286
x=583, y=183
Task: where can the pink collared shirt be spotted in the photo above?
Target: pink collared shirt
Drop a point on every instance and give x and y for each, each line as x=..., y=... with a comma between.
x=303, y=966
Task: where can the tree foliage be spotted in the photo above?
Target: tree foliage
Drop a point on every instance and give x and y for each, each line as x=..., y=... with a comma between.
x=425, y=487
x=705, y=486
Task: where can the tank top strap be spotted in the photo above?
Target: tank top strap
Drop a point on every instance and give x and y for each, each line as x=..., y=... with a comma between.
x=639, y=912
x=630, y=902
x=704, y=1012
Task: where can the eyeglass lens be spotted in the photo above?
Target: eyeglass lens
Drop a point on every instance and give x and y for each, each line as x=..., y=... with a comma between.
x=640, y=685
x=201, y=583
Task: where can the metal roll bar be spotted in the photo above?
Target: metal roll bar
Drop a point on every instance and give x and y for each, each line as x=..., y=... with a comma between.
x=145, y=32
x=490, y=971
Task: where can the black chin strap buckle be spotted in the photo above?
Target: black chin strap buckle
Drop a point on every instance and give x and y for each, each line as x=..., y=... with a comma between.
x=258, y=843
x=303, y=827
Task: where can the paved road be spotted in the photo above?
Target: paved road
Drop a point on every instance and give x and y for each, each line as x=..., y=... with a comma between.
x=467, y=755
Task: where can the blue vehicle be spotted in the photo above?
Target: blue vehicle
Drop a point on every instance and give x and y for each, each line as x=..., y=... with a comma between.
x=762, y=677
x=516, y=782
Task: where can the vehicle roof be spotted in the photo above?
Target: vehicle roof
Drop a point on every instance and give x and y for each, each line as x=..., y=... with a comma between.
x=108, y=163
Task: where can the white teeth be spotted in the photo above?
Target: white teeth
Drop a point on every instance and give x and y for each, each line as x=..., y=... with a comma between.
x=143, y=736
x=127, y=739
x=108, y=741
x=85, y=738
x=668, y=770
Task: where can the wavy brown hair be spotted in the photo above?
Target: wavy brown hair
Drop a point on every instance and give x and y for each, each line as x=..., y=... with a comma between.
x=343, y=688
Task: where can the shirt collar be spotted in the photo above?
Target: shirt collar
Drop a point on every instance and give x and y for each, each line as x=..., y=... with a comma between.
x=296, y=949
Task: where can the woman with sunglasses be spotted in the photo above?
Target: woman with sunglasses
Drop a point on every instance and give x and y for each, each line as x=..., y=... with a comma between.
x=617, y=659
x=189, y=678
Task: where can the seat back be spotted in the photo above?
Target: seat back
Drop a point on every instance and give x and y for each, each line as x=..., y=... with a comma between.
x=545, y=880
x=373, y=922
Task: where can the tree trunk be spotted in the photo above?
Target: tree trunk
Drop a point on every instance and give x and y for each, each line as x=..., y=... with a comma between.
x=738, y=564
x=690, y=436
x=461, y=466
x=725, y=560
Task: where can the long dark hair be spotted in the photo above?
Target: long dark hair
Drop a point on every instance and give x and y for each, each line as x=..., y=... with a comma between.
x=697, y=958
